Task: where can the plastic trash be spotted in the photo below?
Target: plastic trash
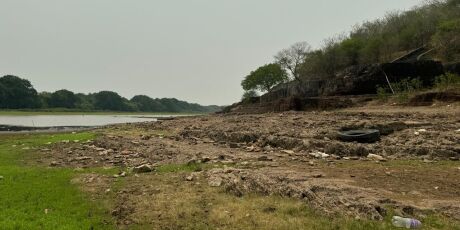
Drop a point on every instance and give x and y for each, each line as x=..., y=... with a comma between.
x=408, y=223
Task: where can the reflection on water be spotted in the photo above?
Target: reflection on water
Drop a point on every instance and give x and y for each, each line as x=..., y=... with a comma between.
x=73, y=120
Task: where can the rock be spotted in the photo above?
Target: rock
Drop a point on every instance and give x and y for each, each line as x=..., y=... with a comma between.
x=290, y=152
x=233, y=145
x=375, y=157
x=192, y=161
x=205, y=159
x=317, y=175
x=215, y=182
x=264, y=158
x=427, y=161
x=145, y=137
x=143, y=168
x=189, y=178
x=454, y=158
x=311, y=163
x=54, y=163
x=421, y=130
x=319, y=154
x=250, y=149
x=83, y=158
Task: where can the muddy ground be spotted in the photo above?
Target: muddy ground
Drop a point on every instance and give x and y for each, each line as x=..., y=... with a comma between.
x=291, y=154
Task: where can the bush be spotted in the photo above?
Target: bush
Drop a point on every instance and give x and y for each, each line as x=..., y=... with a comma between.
x=402, y=89
x=447, y=81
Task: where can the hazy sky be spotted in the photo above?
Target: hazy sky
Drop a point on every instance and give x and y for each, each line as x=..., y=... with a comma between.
x=194, y=50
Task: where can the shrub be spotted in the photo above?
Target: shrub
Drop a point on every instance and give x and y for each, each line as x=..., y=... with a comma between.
x=447, y=81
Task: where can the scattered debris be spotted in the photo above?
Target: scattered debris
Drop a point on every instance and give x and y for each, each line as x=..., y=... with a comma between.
x=319, y=154
x=409, y=223
x=143, y=168
x=375, y=157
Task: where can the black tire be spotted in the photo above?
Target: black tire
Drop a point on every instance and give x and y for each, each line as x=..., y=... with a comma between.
x=360, y=135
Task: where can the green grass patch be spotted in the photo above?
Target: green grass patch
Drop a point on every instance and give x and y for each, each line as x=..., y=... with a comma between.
x=174, y=168
x=34, y=197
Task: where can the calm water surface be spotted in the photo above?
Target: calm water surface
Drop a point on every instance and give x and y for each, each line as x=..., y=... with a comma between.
x=74, y=120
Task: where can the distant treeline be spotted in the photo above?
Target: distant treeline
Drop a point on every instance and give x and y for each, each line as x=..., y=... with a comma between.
x=18, y=93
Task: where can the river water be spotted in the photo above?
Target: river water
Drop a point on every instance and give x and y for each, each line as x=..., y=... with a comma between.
x=74, y=120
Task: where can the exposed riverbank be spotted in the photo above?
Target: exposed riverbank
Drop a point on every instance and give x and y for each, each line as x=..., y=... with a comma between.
x=264, y=171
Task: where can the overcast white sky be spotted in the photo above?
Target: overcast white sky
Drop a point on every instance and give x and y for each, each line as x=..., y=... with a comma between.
x=194, y=50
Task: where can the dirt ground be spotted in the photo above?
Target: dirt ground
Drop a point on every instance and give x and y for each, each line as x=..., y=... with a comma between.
x=293, y=154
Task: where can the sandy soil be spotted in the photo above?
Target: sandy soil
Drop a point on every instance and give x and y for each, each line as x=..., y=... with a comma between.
x=274, y=154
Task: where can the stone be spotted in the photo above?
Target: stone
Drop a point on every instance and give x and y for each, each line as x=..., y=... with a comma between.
x=145, y=168
x=375, y=157
x=215, y=182
x=290, y=152
x=233, y=145
x=264, y=158
x=54, y=163
x=205, y=159
x=145, y=137
x=319, y=154
x=317, y=175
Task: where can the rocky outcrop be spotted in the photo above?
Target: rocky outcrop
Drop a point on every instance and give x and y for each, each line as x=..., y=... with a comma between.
x=355, y=82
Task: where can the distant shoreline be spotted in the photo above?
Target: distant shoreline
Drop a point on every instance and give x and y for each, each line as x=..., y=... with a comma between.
x=76, y=112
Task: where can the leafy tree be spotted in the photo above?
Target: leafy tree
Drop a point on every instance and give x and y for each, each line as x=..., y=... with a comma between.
x=17, y=93
x=63, y=99
x=447, y=40
x=248, y=95
x=108, y=100
x=147, y=104
x=85, y=102
x=264, y=78
x=293, y=57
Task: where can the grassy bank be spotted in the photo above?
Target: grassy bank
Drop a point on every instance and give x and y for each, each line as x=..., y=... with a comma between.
x=34, y=197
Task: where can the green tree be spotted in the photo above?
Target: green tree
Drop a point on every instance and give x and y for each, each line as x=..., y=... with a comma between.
x=264, y=78
x=108, y=100
x=447, y=40
x=17, y=93
x=248, y=95
x=147, y=104
x=63, y=99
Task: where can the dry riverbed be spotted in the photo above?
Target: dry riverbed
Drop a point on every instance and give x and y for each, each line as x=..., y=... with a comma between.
x=193, y=170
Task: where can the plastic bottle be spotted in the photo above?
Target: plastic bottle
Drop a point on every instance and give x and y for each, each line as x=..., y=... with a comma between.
x=406, y=222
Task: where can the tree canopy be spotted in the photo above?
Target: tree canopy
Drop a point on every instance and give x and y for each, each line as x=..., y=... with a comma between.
x=265, y=78
x=17, y=93
x=62, y=99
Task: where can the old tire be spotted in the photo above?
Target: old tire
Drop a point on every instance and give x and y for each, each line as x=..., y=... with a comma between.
x=360, y=135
